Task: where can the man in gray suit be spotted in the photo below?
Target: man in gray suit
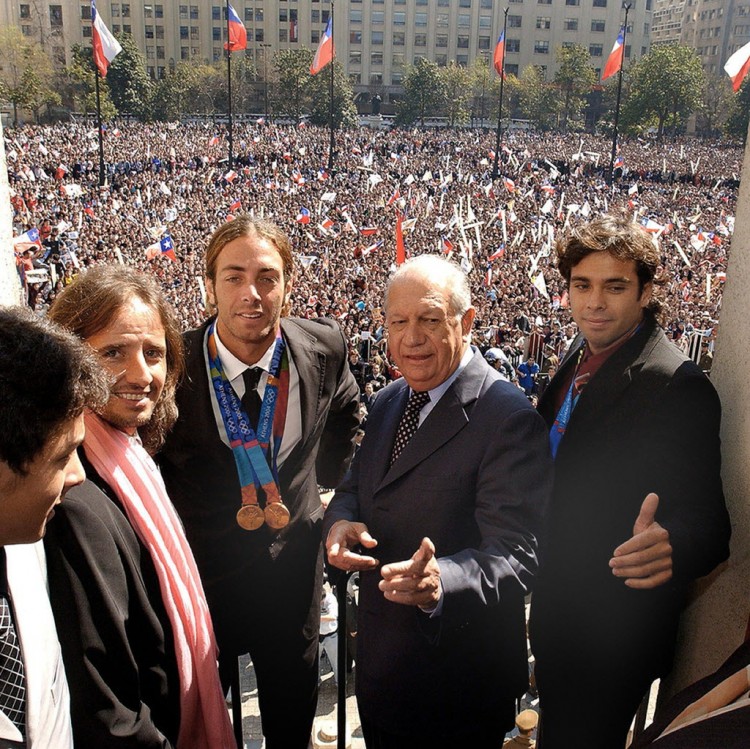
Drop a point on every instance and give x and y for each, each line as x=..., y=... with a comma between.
x=449, y=490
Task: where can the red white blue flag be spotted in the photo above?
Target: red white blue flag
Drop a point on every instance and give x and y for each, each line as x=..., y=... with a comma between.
x=499, y=56
x=237, y=32
x=737, y=65
x=325, y=52
x=614, y=61
x=105, y=47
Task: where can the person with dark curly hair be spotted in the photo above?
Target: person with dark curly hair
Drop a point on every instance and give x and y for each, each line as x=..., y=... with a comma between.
x=637, y=509
x=41, y=427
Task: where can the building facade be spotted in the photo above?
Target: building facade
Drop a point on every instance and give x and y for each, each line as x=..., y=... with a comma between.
x=375, y=39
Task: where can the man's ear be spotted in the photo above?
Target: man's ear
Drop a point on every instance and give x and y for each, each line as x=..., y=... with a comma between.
x=210, y=294
x=467, y=321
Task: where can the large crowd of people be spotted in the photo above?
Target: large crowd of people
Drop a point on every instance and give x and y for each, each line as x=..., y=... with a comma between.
x=175, y=181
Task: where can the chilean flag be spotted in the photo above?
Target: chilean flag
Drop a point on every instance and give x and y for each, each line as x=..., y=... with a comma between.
x=614, y=61
x=737, y=66
x=237, y=32
x=325, y=52
x=499, y=56
x=166, y=245
x=303, y=217
x=104, y=46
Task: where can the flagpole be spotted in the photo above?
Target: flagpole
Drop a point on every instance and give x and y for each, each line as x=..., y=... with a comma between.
x=330, y=106
x=500, y=106
x=99, y=127
x=627, y=7
x=229, y=86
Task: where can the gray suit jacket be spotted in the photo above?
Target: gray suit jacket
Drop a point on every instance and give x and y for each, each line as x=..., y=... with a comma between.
x=475, y=479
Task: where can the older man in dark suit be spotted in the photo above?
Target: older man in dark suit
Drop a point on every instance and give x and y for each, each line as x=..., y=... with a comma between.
x=448, y=489
x=637, y=507
x=268, y=412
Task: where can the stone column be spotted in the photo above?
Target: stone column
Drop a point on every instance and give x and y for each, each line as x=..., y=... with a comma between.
x=10, y=285
x=715, y=622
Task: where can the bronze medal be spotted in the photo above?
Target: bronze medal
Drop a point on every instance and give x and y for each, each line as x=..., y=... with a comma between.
x=277, y=515
x=250, y=517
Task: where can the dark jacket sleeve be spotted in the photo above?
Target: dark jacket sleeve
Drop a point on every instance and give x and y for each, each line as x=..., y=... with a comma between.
x=116, y=640
x=337, y=440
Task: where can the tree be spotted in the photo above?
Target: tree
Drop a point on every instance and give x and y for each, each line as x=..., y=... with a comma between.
x=172, y=93
x=25, y=72
x=665, y=89
x=292, y=87
x=456, y=82
x=576, y=78
x=424, y=92
x=716, y=104
x=81, y=86
x=344, y=111
x=485, y=85
x=538, y=100
x=739, y=114
x=129, y=84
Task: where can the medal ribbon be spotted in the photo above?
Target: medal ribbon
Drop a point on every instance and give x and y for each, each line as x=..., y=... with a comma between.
x=251, y=449
x=563, y=415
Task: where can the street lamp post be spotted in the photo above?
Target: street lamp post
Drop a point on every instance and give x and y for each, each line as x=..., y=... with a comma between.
x=265, y=47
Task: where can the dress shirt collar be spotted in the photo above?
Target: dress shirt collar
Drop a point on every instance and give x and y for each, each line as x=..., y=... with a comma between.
x=234, y=367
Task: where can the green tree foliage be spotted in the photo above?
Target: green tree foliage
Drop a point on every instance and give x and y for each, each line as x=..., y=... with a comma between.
x=456, y=82
x=739, y=113
x=129, y=84
x=172, y=94
x=291, y=89
x=26, y=73
x=81, y=86
x=344, y=110
x=575, y=77
x=538, y=100
x=424, y=93
x=716, y=104
x=665, y=88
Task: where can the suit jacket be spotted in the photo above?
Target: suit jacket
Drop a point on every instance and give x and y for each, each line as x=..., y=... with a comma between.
x=201, y=477
x=47, y=697
x=115, y=633
x=475, y=479
x=648, y=421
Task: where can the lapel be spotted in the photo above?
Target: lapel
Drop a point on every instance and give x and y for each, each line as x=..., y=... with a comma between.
x=442, y=423
x=310, y=363
x=615, y=376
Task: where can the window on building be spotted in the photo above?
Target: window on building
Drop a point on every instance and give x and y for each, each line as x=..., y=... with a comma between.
x=511, y=69
x=483, y=42
x=324, y=15
x=259, y=35
x=195, y=33
x=570, y=24
x=158, y=11
x=541, y=47
x=543, y=22
x=283, y=15
x=85, y=12
x=184, y=32
x=55, y=16
x=464, y=3
x=148, y=32
x=315, y=36
x=572, y=2
x=259, y=15
x=595, y=50
x=194, y=14
x=26, y=29
x=399, y=18
x=444, y=3
x=378, y=16
x=597, y=26
x=355, y=16
x=184, y=53
x=283, y=35
x=512, y=45
x=376, y=58
x=420, y=40
x=441, y=60
x=127, y=28
x=486, y=4
x=150, y=54
x=462, y=61
x=355, y=37
x=160, y=53
x=159, y=32
x=126, y=10
x=398, y=59
x=485, y=22
x=420, y=19
x=355, y=78
x=355, y=57
x=86, y=30
x=442, y=20
x=600, y=3
x=463, y=41
x=544, y=2
x=376, y=37
x=376, y=79
x=24, y=11
x=248, y=15
x=514, y=22
x=215, y=34
x=441, y=40
x=464, y=20
x=399, y=38
x=397, y=79
x=148, y=11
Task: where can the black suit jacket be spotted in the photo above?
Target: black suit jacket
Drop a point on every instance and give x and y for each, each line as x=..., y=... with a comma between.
x=648, y=421
x=201, y=476
x=475, y=479
x=114, y=631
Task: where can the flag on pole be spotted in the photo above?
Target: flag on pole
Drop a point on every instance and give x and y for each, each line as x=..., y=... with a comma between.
x=303, y=217
x=166, y=245
x=104, y=46
x=325, y=52
x=396, y=195
x=614, y=61
x=447, y=246
x=499, y=55
x=237, y=32
x=400, y=249
x=235, y=206
x=737, y=65
x=497, y=254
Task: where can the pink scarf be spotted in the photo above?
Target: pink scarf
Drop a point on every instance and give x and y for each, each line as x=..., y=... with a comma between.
x=135, y=479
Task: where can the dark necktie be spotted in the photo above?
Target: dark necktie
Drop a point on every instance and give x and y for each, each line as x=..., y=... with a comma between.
x=409, y=422
x=251, y=400
x=12, y=681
